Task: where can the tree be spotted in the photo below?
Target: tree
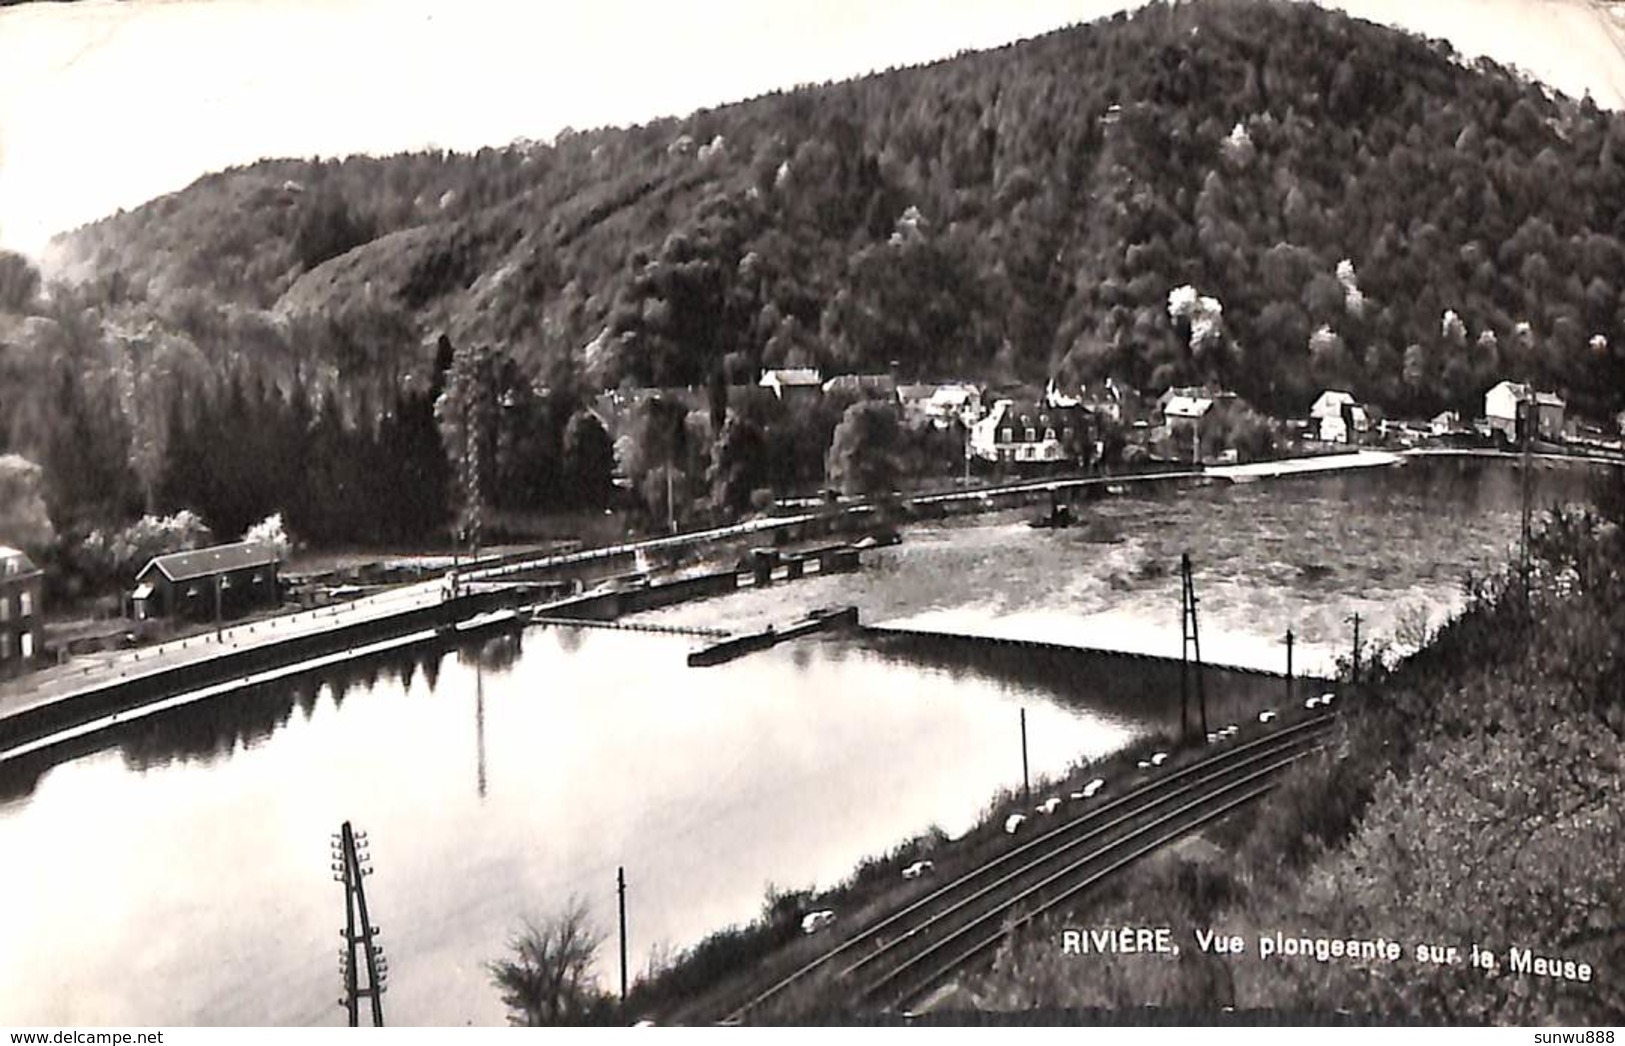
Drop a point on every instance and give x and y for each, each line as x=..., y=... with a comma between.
x=467, y=415
x=19, y=282
x=328, y=228
x=270, y=531
x=24, y=522
x=1328, y=355
x=738, y=464
x=548, y=978
x=658, y=437
x=589, y=461
x=126, y=551
x=1415, y=368
x=863, y=455
x=661, y=481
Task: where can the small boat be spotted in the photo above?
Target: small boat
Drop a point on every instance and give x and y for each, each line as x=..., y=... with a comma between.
x=496, y=619
x=879, y=539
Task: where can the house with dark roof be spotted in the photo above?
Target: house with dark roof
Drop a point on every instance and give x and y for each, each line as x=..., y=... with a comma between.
x=22, y=628
x=1112, y=400
x=207, y=583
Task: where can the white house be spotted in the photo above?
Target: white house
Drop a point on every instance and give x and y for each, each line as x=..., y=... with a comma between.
x=1188, y=410
x=1337, y=418
x=955, y=401
x=1182, y=416
x=1445, y=422
x=941, y=404
x=1504, y=402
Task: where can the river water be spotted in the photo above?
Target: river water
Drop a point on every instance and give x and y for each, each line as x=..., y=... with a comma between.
x=176, y=871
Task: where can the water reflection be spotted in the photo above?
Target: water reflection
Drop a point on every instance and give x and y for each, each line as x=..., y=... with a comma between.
x=211, y=730
x=519, y=778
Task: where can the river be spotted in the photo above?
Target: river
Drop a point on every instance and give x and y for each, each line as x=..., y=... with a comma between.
x=176, y=870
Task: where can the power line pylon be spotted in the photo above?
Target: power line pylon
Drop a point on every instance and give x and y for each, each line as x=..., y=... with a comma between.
x=1190, y=650
x=351, y=865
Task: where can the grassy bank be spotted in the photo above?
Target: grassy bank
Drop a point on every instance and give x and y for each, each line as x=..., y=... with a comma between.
x=1472, y=798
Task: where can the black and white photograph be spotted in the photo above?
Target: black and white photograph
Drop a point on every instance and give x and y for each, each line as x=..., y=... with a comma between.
x=798, y=513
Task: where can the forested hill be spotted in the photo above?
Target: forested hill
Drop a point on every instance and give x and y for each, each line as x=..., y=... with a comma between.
x=1367, y=209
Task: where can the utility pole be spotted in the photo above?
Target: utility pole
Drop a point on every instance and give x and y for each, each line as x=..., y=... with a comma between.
x=479, y=727
x=1190, y=649
x=474, y=495
x=473, y=429
x=351, y=865
x=1026, y=781
x=1356, y=669
x=1289, y=668
x=620, y=889
x=1529, y=412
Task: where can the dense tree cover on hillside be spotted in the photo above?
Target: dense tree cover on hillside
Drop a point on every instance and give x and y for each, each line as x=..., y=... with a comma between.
x=1266, y=195
x=1471, y=796
x=1338, y=189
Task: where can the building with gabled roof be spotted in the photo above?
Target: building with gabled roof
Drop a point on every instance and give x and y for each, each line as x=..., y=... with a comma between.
x=793, y=382
x=866, y=386
x=941, y=403
x=1032, y=432
x=219, y=581
x=1504, y=406
x=1112, y=400
x=1336, y=417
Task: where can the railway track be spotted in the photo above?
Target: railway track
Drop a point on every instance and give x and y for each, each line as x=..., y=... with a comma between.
x=892, y=962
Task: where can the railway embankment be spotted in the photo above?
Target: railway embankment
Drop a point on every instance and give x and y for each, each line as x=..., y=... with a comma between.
x=904, y=916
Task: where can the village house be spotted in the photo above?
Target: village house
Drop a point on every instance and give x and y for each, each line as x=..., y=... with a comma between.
x=793, y=384
x=1445, y=423
x=1182, y=418
x=1111, y=400
x=22, y=629
x=1337, y=418
x=942, y=403
x=1028, y=431
x=1504, y=410
x=913, y=398
x=1159, y=410
x=207, y=583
